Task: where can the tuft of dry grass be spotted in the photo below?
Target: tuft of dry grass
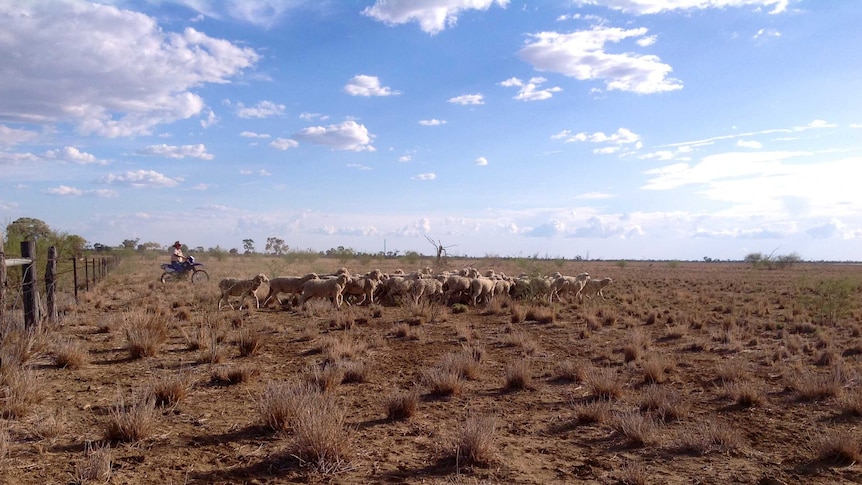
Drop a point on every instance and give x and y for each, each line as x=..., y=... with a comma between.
x=442, y=382
x=710, y=437
x=638, y=343
x=811, y=386
x=20, y=390
x=51, y=427
x=666, y=404
x=637, y=429
x=841, y=448
x=133, y=422
x=596, y=411
x=353, y=372
x=656, y=367
x=518, y=376
x=249, y=342
x=144, y=334
x=522, y=340
x=475, y=441
x=851, y=403
x=746, y=394
x=279, y=403
x=462, y=363
x=603, y=382
x=541, y=314
x=321, y=440
x=569, y=371
x=632, y=473
x=170, y=389
x=70, y=354
x=5, y=441
x=95, y=467
x=324, y=377
x=231, y=375
x=518, y=313
x=730, y=370
x=401, y=405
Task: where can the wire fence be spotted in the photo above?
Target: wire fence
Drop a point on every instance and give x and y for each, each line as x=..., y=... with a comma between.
x=63, y=279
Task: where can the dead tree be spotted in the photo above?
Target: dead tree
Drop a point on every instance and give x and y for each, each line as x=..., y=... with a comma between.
x=440, y=249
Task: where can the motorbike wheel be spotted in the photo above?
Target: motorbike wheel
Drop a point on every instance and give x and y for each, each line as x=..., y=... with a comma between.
x=200, y=276
x=166, y=276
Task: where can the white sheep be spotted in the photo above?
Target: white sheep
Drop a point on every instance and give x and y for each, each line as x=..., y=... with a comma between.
x=456, y=285
x=568, y=284
x=364, y=285
x=241, y=288
x=430, y=288
x=482, y=288
x=594, y=287
x=331, y=288
x=292, y=285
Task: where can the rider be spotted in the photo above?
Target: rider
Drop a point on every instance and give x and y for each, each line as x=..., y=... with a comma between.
x=177, y=257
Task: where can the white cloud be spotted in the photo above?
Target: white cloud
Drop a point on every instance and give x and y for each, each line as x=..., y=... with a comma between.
x=529, y=90
x=481, y=161
x=767, y=33
x=358, y=166
x=425, y=176
x=432, y=15
x=284, y=144
x=251, y=134
x=582, y=55
x=623, y=136
x=72, y=154
x=261, y=13
x=362, y=85
x=644, y=7
x=348, y=135
x=405, y=158
x=263, y=109
x=749, y=144
x=467, y=99
x=178, y=152
x=66, y=191
x=210, y=120
x=647, y=41
x=432, y=122
x=313, y=116
x=593, y=196
x=141, y=178
x=142, y=78
x=814, y=125
x=14, y=136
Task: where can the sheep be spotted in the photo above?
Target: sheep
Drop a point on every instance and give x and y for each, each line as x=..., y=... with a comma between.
x=594, y=287
x=364, y=285
x=241, y=288
x=396, y=286
x=324, y=288
x=503, y=286
x=568, y=284
x=428, y=287
x=292, y=285
x=456, y=285
x=482, y=288
x=532, y=287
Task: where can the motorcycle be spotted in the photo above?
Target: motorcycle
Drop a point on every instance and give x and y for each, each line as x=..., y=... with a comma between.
x=187, y=270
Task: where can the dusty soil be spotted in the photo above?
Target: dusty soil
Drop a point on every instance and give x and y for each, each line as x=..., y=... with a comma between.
x=719, y=328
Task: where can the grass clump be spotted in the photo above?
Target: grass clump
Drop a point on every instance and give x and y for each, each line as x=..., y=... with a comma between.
x=133, y=422
x=841, y=449
x=603, y=382
x=401, y=405
x=518, y=376
x=95, y=467
x=144, y=335
x=70, y=354
x=475, y=441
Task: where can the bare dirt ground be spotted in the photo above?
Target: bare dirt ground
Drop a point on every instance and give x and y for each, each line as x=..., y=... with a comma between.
x=707, y=373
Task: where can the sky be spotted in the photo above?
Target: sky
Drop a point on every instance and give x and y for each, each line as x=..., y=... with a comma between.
x=605, y=129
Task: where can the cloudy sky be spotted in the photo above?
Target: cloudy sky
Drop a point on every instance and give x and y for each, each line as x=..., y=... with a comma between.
x=636, y=129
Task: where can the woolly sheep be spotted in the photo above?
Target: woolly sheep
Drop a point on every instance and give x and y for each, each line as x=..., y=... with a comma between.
x=430, y=288
x=481, y=288
x=568, y=284
x=292, y=285
x=456, y=285
x=241, y=288
x=331, y=288
x=364, y=285
x=594, y=287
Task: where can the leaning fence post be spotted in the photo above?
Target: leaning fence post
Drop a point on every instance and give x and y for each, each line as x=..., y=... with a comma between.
x=28, y=279
x=51, y=284
x=2, y=282
x=86, y=274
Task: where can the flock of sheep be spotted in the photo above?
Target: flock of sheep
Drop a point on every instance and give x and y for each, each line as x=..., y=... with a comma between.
x=464, y=286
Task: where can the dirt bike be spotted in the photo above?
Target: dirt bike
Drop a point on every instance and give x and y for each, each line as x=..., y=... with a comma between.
x=187, y=270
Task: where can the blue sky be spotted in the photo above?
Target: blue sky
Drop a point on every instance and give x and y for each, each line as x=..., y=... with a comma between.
x=635, y=129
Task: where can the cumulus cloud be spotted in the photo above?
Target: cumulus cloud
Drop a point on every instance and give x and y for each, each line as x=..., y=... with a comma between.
x=178, y=152
x=251, y=134
x=313, y=116
x=433, y=16
x=432, y=122
x=623, y=136
x=425, y=176
x=645, y=7
x=467, y=99
x=481, y=161
x=142, y=78
x=73, y=155
x=283, y=144
x=263, y=109
x=529, y=90
x=405, y=158
x=348, y=135
x=362, y=85
x=141, y=178
x=582, y=55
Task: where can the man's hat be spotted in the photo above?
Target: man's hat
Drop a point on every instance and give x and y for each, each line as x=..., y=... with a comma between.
x=176, y=244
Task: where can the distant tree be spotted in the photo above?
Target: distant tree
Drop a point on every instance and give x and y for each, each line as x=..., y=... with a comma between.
x=276, y=245
x=28, y=228
x=130, y=243
x=101, y=248
x=754, y=259
x=248, y=246
x=75, y=245
x=234, y=252
x=787, y=260
x=150, y=246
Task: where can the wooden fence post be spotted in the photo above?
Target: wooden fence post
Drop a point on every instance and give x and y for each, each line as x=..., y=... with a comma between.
x=28, y=279
x=86, y=275
x=75, y=276
x=51, y=285
x=2, y=282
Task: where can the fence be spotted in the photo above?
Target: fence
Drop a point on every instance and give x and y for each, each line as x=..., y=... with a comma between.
x=94, y=270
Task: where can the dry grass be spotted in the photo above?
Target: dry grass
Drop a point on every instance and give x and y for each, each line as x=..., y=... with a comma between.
x=597, y=411
x=249, y=342
x=353, y=372
x=442, y=382
x=569, y=371
x=519, y=376
x=638, y=343
x=279, y=403
x=5, y=441
x=521, y=340
x=70, y=354
x=144, y=334
x=710, y=437
x=324, y=377
x=401, y=405
x=475, y=442
x=841, y=448
x=51, y=427
x=812, y=386
x=656, y=368
x=171, y=389
x=851, y=403
x=95, y=467
x=730, y=370
x=666, y=404
x=229, y=375
x=463, y=363
x=131, y=422
x=746, y=394
x=633, y=473
x=20, y=390
x=603, y=382
x=637, y=429
x=320, y=438
x=541, y=314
